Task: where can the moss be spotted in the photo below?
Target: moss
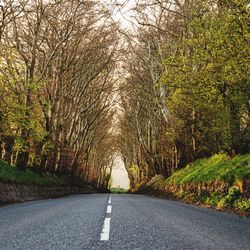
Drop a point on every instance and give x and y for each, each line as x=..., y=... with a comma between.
x=11, y=173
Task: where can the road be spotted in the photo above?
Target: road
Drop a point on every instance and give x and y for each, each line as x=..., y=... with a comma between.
x=99, y=221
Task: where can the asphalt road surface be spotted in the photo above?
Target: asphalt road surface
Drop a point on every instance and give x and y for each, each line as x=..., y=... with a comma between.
x=99, y=221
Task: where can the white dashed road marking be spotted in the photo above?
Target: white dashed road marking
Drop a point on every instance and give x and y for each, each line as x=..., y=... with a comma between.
x=109, y=209
x=105, y=230
x=106, y=225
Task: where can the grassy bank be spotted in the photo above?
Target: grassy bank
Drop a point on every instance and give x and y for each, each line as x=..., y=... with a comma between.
x=218, y=181
x=217, y=168
x=13, y=174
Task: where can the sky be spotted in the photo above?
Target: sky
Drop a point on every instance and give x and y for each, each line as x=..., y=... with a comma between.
x=121, y=10
x=119, y=176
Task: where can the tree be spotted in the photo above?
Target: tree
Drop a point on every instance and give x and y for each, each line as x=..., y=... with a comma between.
x=190, y=65
x=57, y=80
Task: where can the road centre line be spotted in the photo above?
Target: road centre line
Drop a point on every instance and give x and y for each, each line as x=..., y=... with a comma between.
x=106, y=225
x=109, y=209
x=106, y=230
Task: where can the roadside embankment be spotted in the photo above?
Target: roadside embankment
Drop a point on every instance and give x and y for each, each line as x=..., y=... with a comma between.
x=17, y=185
x=13, y=192
x=218, y=181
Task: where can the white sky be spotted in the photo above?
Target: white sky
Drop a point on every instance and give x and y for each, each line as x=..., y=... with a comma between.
x=121, y=14
x=119, y=176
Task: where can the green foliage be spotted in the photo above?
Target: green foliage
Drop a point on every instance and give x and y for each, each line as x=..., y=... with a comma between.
x=47, y=147
x=233, y=199
x=228, y=201
x=11, y=173
x=209, y=76
x=242, y=203
x=216, y=168
x=20, y=144
x=133, y=170
x=213, y=199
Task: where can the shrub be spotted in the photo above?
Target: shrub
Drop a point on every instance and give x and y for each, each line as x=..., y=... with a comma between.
x=223, y=203
x=228, y=201
x=242, y=203
x=214, y=199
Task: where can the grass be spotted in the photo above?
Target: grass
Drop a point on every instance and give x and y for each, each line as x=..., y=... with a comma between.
x=216, y=168
x=118, y=190
x=219, y=167
x=11, y=173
